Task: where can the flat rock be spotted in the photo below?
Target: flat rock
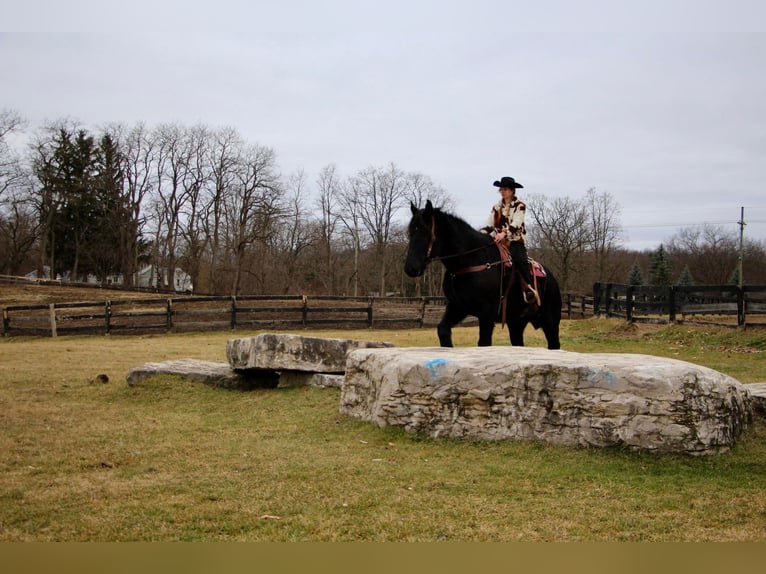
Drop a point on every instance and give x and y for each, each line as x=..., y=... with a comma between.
x=294, y=352
x=208, y=372
x=559, y=397
x=305, y=379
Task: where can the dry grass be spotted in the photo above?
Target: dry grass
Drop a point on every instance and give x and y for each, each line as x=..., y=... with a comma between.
x=171, y=460
x=34, y=294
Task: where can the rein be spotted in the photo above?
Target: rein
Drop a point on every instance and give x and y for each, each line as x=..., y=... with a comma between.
x=464, y=270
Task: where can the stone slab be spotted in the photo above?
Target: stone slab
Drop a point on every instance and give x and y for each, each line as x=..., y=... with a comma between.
x=294, y=352
x=305, y=379
x=208, y=372
x=758, y=395
x=559, y=397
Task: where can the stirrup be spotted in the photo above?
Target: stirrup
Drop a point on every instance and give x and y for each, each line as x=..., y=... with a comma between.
x=531, y=295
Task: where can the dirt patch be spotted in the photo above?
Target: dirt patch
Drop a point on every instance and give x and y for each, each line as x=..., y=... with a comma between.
x=635, y=330
x=735, y=349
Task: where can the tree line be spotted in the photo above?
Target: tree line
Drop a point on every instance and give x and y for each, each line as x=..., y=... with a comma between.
x=128, y=199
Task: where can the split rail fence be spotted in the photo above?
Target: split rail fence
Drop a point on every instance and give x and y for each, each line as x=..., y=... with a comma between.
x=726, y=305
x=189, y=313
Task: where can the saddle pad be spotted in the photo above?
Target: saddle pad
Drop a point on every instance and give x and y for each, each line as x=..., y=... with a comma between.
x=536, y=268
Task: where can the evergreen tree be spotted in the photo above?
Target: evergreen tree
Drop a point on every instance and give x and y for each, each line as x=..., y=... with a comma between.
x=734, y=277
x=111, y=216
x=686, y=278
x=60, y=173
x=635, y=277
x=79, y=211
x=659, y=269
x=82, y=208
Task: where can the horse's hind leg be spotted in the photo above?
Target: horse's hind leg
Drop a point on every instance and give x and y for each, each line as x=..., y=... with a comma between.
x=451, y=317
x=552, y=335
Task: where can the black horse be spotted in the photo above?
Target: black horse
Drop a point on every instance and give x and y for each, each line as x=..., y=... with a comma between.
x=474, y=282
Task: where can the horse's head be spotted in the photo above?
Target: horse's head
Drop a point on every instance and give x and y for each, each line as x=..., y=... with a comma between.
x=421, y=235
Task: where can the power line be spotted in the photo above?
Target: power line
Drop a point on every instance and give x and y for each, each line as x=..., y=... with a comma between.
x=649, y=225
x=698, y=224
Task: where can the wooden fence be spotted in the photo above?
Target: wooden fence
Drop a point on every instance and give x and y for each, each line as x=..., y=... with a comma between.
x=185, y=314
x=189, y=313
x=726, y=305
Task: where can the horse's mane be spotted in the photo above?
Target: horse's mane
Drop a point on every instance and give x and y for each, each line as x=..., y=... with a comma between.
x=460, y=225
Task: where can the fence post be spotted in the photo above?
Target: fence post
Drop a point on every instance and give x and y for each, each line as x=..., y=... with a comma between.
x=370, y=302
x=596, y=299
x=608, y=297
x=305, y=310
x=569, y=306
x=582, y=306
x=233, y=312
x=169, y=313
x=107, y=315
x=629, y=303
x=422, y=312
x=6, y=322
x=672, y=304
x=52, y=311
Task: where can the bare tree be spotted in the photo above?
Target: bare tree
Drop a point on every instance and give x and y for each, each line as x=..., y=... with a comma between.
x=420, y=187
x=12, y=173
x=19, y=223
x=253, y=208
x=224, y=158
x=560, y=230
x=329, y=188
x=709, y=251
x=350, y=203
x=196, y=175
x=137, y=146
x=605, y=232
x=19, y=229
x=170, y=196
x=292, y=233
x=381, y=192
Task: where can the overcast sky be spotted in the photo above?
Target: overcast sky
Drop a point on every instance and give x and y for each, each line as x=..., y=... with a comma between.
x=661, y=104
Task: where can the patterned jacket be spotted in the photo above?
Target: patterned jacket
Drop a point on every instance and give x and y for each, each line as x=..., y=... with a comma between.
x=508, y=218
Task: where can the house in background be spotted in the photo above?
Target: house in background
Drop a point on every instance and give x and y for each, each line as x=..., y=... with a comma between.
x=153, y=277
x=148, y=277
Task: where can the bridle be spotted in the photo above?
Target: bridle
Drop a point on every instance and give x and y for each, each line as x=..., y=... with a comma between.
x=464, y=270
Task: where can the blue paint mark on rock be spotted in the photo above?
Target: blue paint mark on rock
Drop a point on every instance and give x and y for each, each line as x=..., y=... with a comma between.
x=603, y=377
x=434, y=364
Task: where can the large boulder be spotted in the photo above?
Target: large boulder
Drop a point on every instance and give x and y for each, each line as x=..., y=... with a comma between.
x=558, y=397
x=293, y=352
x=758, y=394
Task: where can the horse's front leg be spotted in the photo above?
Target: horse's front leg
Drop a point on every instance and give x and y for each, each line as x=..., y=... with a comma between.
x=516, y=330
x=452, y=316
x=486, y=328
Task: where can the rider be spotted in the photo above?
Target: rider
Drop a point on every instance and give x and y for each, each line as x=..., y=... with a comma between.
x=506, y=221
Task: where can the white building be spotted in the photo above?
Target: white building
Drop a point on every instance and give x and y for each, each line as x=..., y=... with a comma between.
x=146, y=278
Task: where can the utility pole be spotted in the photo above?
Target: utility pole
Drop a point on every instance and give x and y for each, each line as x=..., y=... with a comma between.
x=740, y=278
x=741, y=223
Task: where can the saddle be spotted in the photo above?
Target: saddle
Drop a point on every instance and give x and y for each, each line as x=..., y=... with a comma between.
x=536, y=270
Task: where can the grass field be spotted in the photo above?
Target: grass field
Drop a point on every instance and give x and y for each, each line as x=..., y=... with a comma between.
x=171, y=460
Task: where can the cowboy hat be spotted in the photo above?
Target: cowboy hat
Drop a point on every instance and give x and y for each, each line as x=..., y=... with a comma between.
x=508, y=182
